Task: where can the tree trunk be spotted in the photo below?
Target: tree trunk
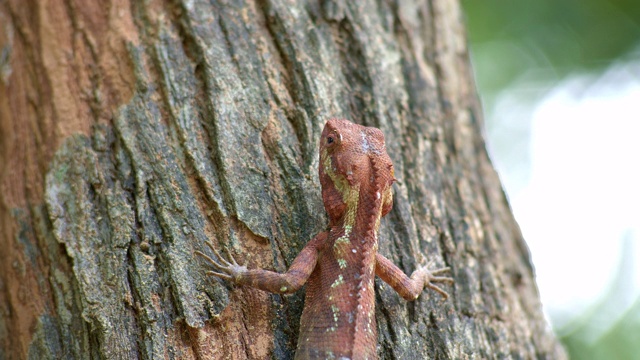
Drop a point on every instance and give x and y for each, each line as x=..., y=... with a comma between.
x=131, y=133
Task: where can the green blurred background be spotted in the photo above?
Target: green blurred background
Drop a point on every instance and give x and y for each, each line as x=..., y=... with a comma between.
x=523, y=53
x=560, y=36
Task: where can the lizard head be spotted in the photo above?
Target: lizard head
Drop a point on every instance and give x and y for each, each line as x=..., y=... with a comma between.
x=354, y=169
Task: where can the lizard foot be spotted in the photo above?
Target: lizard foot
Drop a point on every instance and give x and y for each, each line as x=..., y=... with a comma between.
x=431, y=277
x=226, y=268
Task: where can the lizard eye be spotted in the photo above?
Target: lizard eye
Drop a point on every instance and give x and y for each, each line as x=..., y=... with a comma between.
x=334, y=138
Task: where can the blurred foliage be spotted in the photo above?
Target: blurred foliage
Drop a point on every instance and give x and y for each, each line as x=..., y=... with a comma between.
x=608, y=331
x=621, y=341
x=508, y=38
x=533, y=45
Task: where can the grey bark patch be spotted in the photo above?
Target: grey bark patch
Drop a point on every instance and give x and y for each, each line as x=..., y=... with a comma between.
x=46, y=341
x=94, y=222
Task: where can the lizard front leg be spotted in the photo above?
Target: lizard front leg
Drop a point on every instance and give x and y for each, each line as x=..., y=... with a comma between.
x=266, y=280
x=410, y=287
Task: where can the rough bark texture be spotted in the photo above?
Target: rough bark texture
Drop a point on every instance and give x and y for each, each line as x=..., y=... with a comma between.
x=132, y=132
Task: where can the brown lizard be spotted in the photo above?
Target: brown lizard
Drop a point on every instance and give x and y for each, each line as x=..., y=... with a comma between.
x=339, y=265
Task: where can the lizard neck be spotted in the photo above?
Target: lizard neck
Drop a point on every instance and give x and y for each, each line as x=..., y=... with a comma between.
x=364, y=236
x=355, y=205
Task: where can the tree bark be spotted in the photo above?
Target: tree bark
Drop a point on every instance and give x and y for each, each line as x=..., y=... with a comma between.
x=131, y=133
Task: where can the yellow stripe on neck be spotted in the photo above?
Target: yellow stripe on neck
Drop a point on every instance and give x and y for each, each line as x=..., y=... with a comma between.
x=350, y=194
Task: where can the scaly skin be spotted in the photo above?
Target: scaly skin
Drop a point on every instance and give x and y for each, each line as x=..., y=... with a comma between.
x=339, y=265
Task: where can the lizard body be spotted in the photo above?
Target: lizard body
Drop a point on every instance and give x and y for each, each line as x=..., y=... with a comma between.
x=339, y=265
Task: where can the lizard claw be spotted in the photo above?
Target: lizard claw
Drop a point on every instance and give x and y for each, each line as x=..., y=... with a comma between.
x=226, y=268
x=430, y=277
